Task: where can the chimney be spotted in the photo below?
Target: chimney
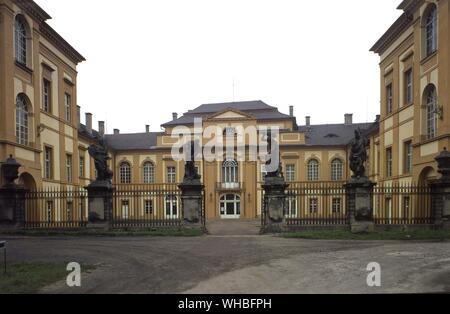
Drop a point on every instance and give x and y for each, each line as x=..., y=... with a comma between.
x=175, y=116
x=348, y=119
x=116, y=131
x=101, y=127
x=308, y=121
x=89, y=122
x=78, y=116
x=291, y=111
x=147, y=128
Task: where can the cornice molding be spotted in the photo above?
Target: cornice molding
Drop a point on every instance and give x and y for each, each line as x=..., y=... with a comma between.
x=33, y=9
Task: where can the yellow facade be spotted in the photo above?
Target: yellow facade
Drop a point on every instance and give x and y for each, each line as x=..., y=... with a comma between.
x=416, y=45
x=309, y=153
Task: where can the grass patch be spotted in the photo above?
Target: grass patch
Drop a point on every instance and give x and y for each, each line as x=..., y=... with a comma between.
x=419, y=234
x=185, y=232
x=27, y=278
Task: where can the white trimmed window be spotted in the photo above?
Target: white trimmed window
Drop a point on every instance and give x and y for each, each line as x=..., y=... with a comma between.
x=125, y=173
x=67, y=106
x=230, y=171
x=408, y=157
x=337, y=170
x=431, y=31
x=22, y=120
x=336, y=205
x=313, y=205
x=149, y=173
x=48, y=163
x=313, y=170
x=46, y=95
x=389, y=162
x=21, y=40
x=69, y=168
x=290, y=173
x=148, y=206
x=171, y=175
x=81, y=166
x=432, y=119
x=389, y=99
x=409, y=87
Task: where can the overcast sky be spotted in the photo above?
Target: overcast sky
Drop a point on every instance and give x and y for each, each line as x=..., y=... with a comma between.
x=149, y=58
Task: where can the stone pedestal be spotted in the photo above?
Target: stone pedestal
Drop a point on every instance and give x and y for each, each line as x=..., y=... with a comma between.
x=12, y=207
x=440, y=191
x=274, y=203
x=12, y=197
x=360, y=205
x=100, y=195
x=192, y=203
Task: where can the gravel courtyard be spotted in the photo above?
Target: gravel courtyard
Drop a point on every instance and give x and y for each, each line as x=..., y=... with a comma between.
x=240, y=264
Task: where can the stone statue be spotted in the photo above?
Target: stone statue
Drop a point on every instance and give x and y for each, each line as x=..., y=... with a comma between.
x=358, y=155
x=190, y=171
x=99, y=153
x=278, y=173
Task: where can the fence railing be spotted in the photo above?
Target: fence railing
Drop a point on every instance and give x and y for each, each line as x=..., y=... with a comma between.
x=325, y=204
x=56, y=208
x=316, y=204
x=402, y=204
x=146, y=206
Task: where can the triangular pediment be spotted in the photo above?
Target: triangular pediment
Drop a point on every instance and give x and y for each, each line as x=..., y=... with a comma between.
x=230, y=114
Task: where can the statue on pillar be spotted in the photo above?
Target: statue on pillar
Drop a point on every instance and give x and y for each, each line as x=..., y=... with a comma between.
x=190, y=171
x=358, y=155
x=99, y=153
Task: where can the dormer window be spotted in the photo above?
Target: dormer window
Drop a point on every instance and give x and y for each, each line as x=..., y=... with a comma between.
x=230, y=131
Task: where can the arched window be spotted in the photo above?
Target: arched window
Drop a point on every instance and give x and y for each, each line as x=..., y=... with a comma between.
x=431, y=104
x=337, y=170
x=22, y=119
x=430, y=20
x=230, y=171
x=149, y=173
x=21, y=40
x=125, y=173
x=313, y=170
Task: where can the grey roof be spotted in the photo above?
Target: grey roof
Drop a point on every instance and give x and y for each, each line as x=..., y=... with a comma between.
x=136, y=141
x=242, y=106
x=332, y=134
x=258, y=109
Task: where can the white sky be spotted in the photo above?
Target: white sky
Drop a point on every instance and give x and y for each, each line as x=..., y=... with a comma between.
x=149, y=58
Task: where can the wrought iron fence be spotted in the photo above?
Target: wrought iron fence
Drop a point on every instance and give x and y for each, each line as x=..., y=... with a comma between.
x=56, y=208
x=402, y=204
x=147, y=206
x=316, y=204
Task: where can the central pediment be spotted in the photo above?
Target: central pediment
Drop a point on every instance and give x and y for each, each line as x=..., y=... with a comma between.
x=230, y=114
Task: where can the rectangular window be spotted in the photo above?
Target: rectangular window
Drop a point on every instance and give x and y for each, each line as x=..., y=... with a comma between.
x=406, y=207
x=290, y=173
x=336, y=205
x=148, y=207
x=125, y=209
x=171, y=175
x=291, y=210
x=81, y=166
x=409, y=87
x=49, y=211
x=313, y=205
x=389, y=162
x=46, y=94
x=408, y=150
x=69, y=210
x=389, y=99
x=69, y=168
x=48, y=163
x=67, y=106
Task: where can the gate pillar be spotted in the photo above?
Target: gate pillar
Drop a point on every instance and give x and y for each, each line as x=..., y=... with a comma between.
x=12, y=197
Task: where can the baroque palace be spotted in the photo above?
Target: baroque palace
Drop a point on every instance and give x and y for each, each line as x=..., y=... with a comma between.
x=40, y=123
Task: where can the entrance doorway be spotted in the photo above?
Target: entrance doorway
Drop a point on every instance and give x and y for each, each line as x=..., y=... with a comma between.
x=230, y=206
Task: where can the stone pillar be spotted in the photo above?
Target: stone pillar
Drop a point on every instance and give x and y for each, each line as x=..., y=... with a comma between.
x=274, y=203
x=192, y=203
x=100, y=195
x=359, y=194
x=12, y=197
x=440, y=191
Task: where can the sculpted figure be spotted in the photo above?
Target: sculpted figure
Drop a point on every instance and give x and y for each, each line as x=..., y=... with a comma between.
x=358, y=155
x=99, y=153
